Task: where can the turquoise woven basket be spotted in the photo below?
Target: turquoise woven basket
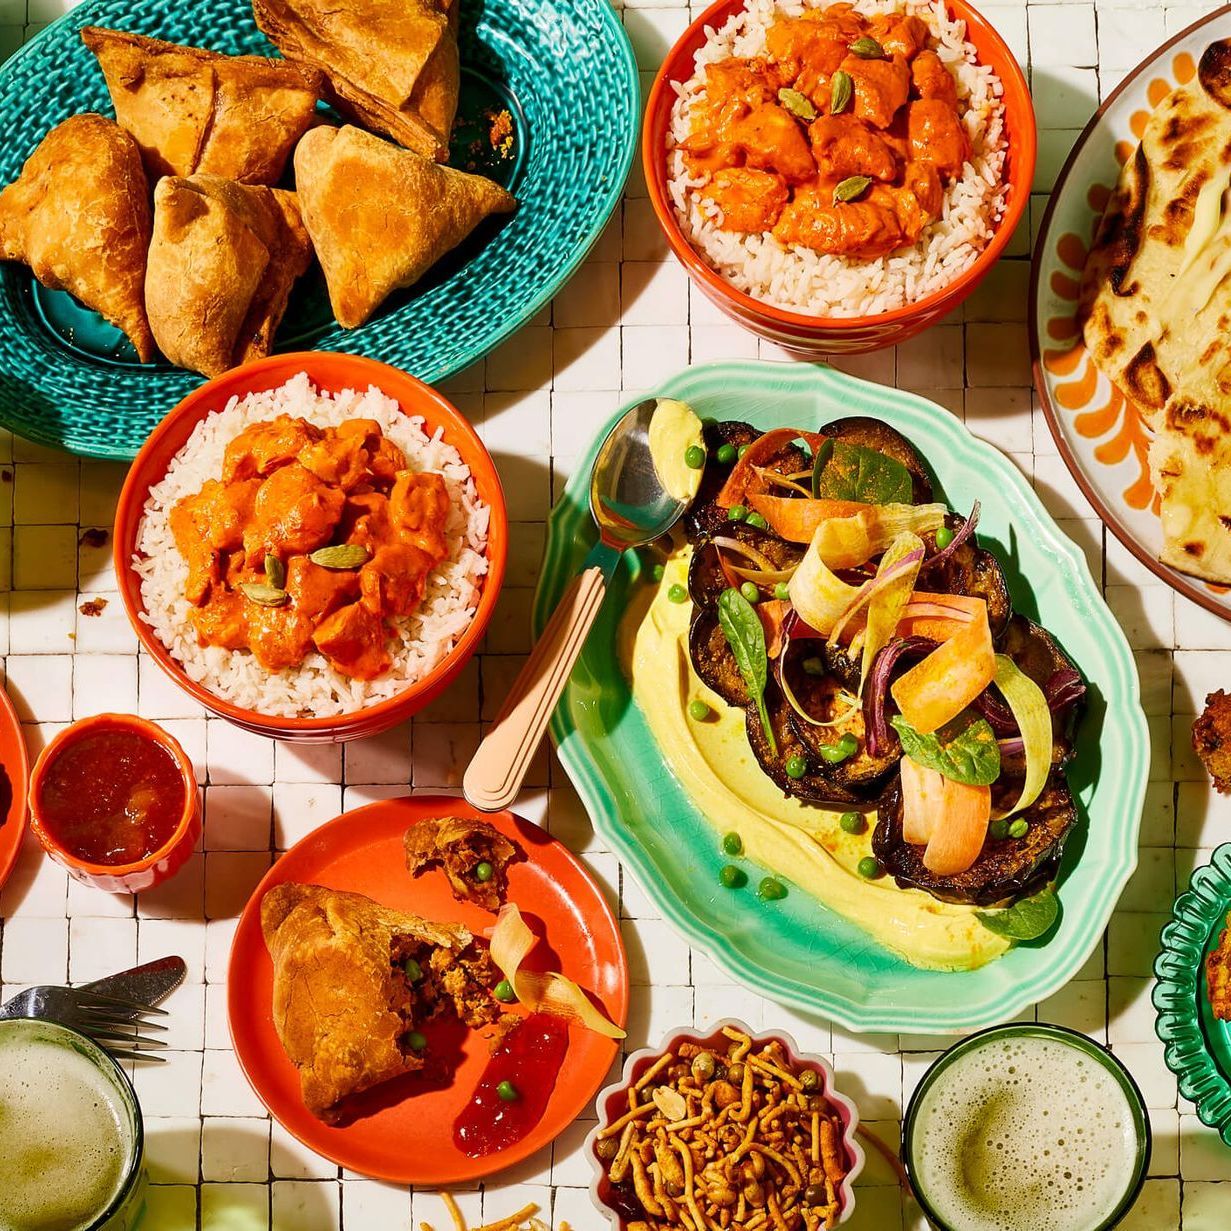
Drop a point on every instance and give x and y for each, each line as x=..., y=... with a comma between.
x=563, y=68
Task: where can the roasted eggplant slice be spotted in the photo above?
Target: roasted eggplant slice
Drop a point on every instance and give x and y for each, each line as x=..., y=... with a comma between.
x=971, y=570
x=1007, y=869
x=712, y=659
x=872, y=434
x=1038, y=654
x=706, y=580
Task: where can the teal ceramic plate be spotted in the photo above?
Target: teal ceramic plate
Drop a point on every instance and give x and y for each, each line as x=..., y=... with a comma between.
x=563, y=68
x=1197, y=1045
x=796, y=951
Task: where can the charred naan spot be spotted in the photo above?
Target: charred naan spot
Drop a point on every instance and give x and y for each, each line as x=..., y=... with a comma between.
x=1214, y=72
x=1226, y=521
x=1197, y=550
x=1145, y=380
x=1187, y=151
x=1178, y=212
x=1210, y=353
x=1139, y=317
x=1124, y=229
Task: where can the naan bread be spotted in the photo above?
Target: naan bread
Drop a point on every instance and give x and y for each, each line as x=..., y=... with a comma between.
x=343, y=1004
x=197, y=111
x=1156, y=309
x=79, y=216
x=222, y=262
x=380, y=217
x=392, y=65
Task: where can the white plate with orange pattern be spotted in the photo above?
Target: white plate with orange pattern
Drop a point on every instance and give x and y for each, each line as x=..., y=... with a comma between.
x=1100, y=434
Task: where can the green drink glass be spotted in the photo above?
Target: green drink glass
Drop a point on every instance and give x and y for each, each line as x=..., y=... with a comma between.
x=1026, y=1126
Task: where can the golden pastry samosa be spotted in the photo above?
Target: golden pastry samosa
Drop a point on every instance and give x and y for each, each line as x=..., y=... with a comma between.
x=79, y=216
x=392, y=65
x=380, y=217
x=354, y=980
x=222, y=262
x=197, y=111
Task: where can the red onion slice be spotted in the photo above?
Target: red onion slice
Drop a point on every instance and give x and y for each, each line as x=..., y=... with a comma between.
x=876, y=729
x=966, y=530
x=1065, y=688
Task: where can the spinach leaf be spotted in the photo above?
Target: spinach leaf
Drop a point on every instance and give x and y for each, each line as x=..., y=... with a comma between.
x=855, y=472
x=742, y=628
x=1025, y=920
x=966, y=753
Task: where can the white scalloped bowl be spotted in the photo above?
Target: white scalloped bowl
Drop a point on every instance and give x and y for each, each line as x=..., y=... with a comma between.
x=614, y=1096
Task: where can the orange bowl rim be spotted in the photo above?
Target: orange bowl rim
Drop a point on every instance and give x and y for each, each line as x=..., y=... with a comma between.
x=1022, y=149
x=196, y=405
x=143, y=726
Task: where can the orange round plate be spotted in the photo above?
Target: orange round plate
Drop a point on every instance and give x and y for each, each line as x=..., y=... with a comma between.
x=14, y=778
x=405, y=1134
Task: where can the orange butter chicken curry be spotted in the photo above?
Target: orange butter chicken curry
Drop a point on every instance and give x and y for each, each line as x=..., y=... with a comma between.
x=313, y=538
x=839, y=139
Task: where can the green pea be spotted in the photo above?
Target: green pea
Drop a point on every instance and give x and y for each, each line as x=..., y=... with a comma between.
x=416, y=1041
x=782, y=592
x=750, y=592
x=869, y=867
x=843, y=750
x=504, y=992
x=772, y=890
x=944, y=536
x=755, y=519
x=694, y=457
x=484, y=872
x=725, y=454
x=507, y=1092
x=999, y=829
x=414, y=972
x=708, y=421
x=732, y=877
x=657, y=572
x=852, y=822
x=813, y=666
x=1019, y=828
x=677, y=593
x=736, y=512
x=796, y=766
x=733, y=844
x=741, y=451
x=698, y=711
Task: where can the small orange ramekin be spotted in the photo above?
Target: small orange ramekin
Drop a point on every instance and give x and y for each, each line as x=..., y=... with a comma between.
x=126, y=877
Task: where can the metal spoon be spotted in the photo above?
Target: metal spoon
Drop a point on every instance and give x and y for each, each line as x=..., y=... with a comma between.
x=631, y=507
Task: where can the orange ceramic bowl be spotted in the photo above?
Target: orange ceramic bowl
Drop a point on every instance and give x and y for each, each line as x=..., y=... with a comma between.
x=331, y=372
x=813, y=336
x=126, y=877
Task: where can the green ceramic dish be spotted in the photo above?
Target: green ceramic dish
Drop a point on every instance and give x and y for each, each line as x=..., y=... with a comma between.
x=796, y=951
x=563, y=68
x=1198, y=1045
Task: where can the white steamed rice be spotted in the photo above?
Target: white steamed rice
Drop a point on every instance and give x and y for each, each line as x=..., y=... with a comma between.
x=801, y=280
x=314, y=688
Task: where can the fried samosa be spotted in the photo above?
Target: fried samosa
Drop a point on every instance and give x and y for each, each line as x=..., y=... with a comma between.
x=222, y=262
x=79, y=216
x=392, y=65
x=473, y=855
x=197, y=111
x=381, y=217
x=353, y=980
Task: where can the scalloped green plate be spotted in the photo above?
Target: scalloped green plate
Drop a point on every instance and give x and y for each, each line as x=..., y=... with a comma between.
x=797, y=951
x=1197, y=1046
x=566, y=73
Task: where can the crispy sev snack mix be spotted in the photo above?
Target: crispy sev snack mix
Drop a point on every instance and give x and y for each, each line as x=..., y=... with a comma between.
x=739, y=1138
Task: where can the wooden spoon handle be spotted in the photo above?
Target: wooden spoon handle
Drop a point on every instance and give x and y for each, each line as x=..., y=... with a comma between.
x=498, y=768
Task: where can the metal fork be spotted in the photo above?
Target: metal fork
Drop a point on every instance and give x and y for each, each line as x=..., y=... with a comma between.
x=122, y=1027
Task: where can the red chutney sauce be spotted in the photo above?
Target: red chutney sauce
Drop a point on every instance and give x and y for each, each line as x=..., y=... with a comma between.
x=515, y=1088
x=113, y=796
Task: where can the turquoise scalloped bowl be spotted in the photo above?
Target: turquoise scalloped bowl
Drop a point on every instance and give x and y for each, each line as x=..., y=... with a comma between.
x=797, y=951
x=1197, y=1046
x=563, y=68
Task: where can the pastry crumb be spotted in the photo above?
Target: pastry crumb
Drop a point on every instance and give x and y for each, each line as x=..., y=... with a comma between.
x=1212, y=740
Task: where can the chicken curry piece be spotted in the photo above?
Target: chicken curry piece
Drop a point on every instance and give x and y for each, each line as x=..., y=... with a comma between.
x=312, y=539
x=839, y=139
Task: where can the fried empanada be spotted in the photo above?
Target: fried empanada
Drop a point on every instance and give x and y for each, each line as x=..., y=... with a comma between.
x=353, y=979
x=461, y=846
x=197, y=111
x=79, y=216
x=380, y=217
x=392, y=65
x=222, y=262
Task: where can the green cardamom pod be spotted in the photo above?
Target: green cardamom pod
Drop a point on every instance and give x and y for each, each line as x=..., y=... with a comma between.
x=275, y=571
x=267, y=596
x=341, y=556
x=842, y=89
x=799, y=105
x=851, y=188
x=867, y=49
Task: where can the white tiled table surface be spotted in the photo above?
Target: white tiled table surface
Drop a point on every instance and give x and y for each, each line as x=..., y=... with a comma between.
x=626, y=321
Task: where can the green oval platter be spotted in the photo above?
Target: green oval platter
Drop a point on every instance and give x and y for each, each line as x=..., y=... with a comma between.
x=798, y=952
x=1197, y=1046
x=563, y=68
